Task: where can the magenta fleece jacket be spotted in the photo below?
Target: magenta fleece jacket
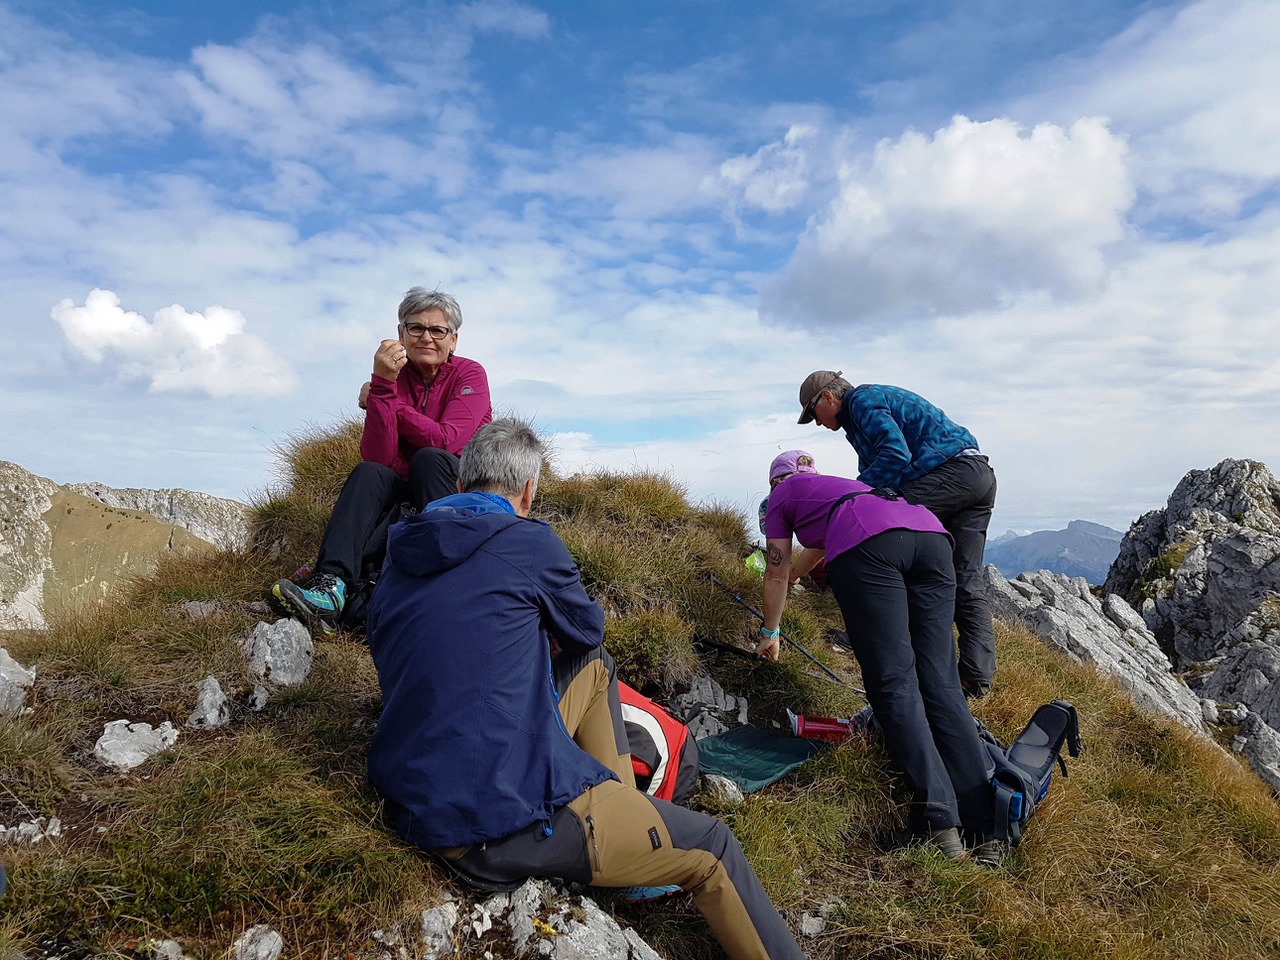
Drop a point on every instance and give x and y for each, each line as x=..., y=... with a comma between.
x=404, y=415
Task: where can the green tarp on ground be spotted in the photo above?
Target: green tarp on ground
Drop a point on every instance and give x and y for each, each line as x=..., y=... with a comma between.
x=754, y=757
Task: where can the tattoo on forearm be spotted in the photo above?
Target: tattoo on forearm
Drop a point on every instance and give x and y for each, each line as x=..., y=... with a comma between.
x=775, y=555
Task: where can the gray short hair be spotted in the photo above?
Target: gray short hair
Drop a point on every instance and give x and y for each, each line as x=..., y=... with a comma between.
x=418, y=299
x=501, y=458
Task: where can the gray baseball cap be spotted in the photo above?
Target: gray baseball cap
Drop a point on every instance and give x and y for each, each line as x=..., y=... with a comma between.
x=811, y=389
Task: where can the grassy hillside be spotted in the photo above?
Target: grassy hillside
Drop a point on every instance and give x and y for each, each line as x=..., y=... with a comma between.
x=1159, y=845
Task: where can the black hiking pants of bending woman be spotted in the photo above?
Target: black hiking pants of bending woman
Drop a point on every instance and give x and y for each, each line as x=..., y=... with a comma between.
x=962, y=493
x=355, y=538
x=896, y=591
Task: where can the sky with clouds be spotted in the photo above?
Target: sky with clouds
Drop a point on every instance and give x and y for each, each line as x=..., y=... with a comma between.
x=1060, y=223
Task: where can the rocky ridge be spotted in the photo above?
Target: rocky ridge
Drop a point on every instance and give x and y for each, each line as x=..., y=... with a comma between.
x=1188, y=620
x=69, y=544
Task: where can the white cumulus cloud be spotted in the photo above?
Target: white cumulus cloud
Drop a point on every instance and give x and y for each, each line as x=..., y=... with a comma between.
x=175, y=352
x=775, y=177
x=970, y=218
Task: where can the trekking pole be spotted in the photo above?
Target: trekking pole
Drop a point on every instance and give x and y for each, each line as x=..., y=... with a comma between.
x=760, y=616
x=749, y=655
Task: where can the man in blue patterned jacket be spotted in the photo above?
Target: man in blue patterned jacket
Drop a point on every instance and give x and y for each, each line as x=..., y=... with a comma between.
x=905, y=443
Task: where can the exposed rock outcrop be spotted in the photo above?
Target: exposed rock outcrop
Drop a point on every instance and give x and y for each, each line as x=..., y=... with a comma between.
x=224, y=523
x=15, y=681
x=1107, y=632
x=1205, y=573
x=537, y=920
x=73, y=544
x=25, y=544
x=1199, y=567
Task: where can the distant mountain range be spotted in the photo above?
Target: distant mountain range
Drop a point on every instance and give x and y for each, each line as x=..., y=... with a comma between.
x=1083, y=549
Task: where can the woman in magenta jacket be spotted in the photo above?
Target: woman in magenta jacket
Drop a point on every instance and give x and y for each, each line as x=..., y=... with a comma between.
x=422, y=404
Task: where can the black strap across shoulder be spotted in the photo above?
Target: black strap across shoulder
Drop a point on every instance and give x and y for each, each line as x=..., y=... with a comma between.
x=881, y=492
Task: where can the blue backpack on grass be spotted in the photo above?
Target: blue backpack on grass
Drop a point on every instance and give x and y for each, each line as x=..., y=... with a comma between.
x=1021, y=772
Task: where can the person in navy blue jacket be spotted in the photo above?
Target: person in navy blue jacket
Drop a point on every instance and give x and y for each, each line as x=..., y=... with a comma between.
x=501, y=745
x=905, y=443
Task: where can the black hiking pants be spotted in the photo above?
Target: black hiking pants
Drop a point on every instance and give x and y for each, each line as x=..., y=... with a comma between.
x=962, y=493
x=896, y=591
x=355, y=538
x=614, y=835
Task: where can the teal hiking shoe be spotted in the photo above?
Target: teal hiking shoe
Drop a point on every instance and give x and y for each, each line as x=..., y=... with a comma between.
x=319, y=601
x=646, y=894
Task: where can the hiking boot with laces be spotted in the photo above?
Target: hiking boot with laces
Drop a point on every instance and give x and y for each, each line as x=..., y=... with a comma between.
x=948, y=843
x=319, y=601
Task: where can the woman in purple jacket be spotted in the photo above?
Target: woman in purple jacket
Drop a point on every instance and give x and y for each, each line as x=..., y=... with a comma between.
x=888, y=563
x=422, y=404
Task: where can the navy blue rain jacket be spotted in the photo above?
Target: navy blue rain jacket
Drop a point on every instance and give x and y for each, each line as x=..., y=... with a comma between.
x=899, y=435
x=470, y=745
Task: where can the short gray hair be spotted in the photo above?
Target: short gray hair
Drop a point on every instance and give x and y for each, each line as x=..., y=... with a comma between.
x=501, y=458
x=418, y=299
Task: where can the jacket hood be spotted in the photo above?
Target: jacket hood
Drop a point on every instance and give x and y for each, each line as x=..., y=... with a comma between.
x=447, y=532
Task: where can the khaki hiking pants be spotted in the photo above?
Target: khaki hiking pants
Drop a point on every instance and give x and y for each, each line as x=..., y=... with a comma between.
x=613, y=835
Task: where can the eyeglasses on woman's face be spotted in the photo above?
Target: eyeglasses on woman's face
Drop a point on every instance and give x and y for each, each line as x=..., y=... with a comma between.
x=416, y=331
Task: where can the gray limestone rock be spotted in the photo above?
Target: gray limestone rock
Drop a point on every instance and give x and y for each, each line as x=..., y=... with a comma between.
x=588, y=933
x=258, y=943
x=1248, y=673
x=722, y=789
x=280, y=652
x=1260, y=745
x=125, y=745
x=258, y=697
x=25, y=545
x=15, y=680
x=199, y=609
x=212, y=709
x=439, y=925
x=1107, y=633
x=539, y=919
x=31, y=831
x=167, y=950
x=811, y=926
x=1202, y=564
x=707, y=709
x=1206, y=570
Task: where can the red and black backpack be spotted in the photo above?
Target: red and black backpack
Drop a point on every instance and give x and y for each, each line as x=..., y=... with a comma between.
x=663, y=755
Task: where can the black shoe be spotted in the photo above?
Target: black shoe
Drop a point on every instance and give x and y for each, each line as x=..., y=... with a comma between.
x=949, y=843
x=989, y=853
x=486, y=884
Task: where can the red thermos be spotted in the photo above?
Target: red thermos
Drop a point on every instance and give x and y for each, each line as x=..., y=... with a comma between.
x=822, y=728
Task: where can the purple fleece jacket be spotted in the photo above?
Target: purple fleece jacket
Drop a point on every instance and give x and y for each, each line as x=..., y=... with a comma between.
x=801, y=504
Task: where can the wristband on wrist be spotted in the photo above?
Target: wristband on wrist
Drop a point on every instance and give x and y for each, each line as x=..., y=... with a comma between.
x=771, y=634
